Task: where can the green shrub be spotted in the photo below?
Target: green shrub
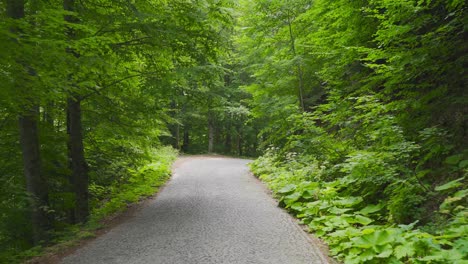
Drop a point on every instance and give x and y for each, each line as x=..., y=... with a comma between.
x=359, y=231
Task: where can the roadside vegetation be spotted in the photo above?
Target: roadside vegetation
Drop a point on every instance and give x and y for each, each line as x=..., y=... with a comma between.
x=107, y=202
x=365, y=112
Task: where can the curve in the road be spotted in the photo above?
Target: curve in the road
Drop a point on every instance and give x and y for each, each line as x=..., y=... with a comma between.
x=212, y=211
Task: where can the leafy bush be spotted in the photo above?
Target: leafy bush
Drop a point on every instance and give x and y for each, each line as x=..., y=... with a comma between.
x=359, y=231
x=141, y=183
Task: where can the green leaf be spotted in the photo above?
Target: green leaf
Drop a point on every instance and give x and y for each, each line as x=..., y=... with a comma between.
x=463, y=164
x=338, y=233
x=372, y=208
x=308, y=194
x=408, y=226
x=384, y=251
x=297, y=206
x=461, y=194
x=461, y=245
x=337, y=221
x=348, y=201
x=406, y=250
x=379, y=237
x=292, y=198
x=362, y=220
x=454, y=159
x=459, y=231
x=366, y=256
x=338, y=211
x=287, y=189
x=450, y=185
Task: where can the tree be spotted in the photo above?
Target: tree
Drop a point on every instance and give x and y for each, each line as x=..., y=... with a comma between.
x=79, y=168
x=36, y=184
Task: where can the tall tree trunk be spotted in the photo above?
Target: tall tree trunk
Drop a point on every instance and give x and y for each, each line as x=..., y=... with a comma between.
x=79, y=175
x=70, y=188
x=36, y=184
x=79, y=168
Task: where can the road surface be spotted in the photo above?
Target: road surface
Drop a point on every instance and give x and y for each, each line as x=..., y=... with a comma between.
x=212, y=211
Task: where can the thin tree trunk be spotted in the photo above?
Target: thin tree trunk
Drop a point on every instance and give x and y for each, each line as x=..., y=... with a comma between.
x=36, y=184
x=227, y=140
x=301, y=87
x=211, y=134
x=79, y=175
x=299, y=68
x=186, y=143
x=47, y=115
x=177, y=136
x=175, y=128
x=239, y=142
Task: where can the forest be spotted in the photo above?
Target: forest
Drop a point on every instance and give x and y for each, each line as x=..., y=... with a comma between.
x=355, y=112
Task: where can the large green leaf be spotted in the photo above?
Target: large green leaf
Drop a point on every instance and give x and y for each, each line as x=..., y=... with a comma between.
x=297, y=206
x=384, y=250
x=377, y=238
x=348, y=201
x=450, y=185
x=338, y=211
x=289, y=199
x=362, y=220
x=287, y=189
x=309, y=194
x=405, y=250
x=371, y=208
x=453, y=160
x=463, y=164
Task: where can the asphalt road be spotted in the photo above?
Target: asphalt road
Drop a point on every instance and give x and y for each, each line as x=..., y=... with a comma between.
x=212, y=211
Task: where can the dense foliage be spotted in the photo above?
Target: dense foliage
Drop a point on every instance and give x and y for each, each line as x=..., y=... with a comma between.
x=90, y=91
x=366, y=110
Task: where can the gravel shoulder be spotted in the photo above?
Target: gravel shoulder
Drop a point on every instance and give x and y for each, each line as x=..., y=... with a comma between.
x=211, y=211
